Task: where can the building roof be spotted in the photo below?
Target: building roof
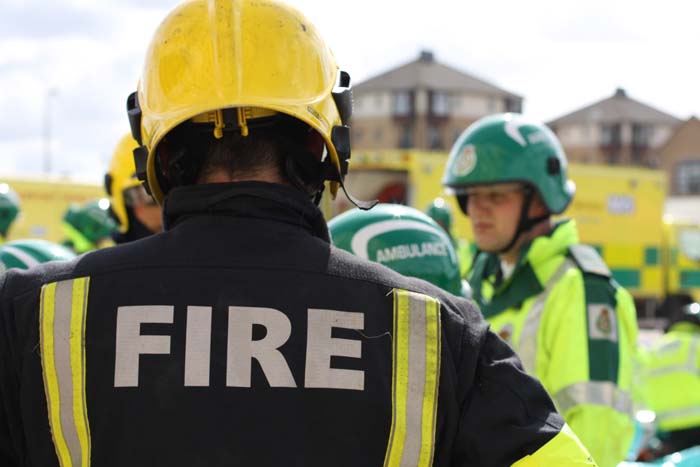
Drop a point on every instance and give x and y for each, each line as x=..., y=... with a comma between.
x=686, y=133
x=617, y=108
x=425, y=72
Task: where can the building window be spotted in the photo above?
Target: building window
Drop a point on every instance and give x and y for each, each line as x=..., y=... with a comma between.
x=513, y=105
x=641, y=134
x=610, y=134
x=439, y=104
x=688, y=177
x=434, y=137
x=405, y=136
x=403, y=103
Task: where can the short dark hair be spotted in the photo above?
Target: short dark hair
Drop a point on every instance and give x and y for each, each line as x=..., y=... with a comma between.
x=242, y=156
x=190, y=152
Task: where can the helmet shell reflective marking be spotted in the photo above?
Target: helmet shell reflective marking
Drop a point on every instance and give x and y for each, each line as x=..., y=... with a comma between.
x=401, y=238
x=24, y=254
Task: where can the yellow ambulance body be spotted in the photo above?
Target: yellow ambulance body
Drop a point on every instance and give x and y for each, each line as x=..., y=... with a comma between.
x=43, y=203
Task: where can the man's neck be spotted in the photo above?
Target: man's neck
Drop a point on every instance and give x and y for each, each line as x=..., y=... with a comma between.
x=513, y=255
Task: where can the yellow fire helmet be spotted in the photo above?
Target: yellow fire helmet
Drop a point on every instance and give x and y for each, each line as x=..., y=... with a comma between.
x=120, y=178
x=227, y=63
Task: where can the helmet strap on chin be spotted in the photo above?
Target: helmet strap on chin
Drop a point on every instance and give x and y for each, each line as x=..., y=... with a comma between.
x=525, y=223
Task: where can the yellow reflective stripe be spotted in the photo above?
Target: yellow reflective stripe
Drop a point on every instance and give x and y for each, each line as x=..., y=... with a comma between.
x=415, y=379
x=77, y=358
x=433, y=345
x=46, y=323
x=62, y=341
x=399, y=382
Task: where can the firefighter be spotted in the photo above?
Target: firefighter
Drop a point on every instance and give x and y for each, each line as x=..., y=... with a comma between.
x=240, y=336
x=671, y=384
x=550, y=297
x=403, y=239
x=135, y=211
x=88, y=227
x=9, y=209
x=441, y=213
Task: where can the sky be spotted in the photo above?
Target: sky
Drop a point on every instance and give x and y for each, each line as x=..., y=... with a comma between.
x=68, y=65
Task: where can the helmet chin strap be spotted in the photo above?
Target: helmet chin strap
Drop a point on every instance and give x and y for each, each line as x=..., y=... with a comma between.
x=525, y=223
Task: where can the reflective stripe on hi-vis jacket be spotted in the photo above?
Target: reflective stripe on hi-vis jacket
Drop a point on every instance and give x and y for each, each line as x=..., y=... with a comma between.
x=595, y=393
x=62, y=342
x=527, y=344
x=416, y=373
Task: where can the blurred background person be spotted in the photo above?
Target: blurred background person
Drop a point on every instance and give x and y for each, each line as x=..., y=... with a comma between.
x=9, y=210
x=441, y=213
x=88, y=227
x=135, y=211
x=671, y=381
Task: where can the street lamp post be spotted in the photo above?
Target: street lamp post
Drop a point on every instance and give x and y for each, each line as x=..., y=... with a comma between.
x=50, y=93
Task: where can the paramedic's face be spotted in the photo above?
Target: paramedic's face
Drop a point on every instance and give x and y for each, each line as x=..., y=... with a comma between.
x=494, y=211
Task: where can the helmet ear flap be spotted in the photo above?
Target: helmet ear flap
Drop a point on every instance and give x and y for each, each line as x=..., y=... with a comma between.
x=177, y=167
x=462, y=201
x=108, y=184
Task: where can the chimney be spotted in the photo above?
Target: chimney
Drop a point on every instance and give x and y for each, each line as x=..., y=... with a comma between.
x=426, y=56
x=620, y=92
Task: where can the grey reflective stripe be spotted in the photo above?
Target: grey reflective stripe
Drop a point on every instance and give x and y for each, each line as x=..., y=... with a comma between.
x=63, y=309
x=23, y=256
x=62, y=320
x=415, y=380
x=678, y=413
x=527, y=342
x=690, y=366
x=595, y=393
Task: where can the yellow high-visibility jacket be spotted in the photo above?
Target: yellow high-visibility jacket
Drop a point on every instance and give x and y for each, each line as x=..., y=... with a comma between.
x=671, y=384
x=574, y=328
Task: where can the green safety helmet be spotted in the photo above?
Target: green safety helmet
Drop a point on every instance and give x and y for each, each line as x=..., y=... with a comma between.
x=85, y=226
x=440, y=212
x=23, y=254
x=403, y=239
x=9, y=208
x=510, y=148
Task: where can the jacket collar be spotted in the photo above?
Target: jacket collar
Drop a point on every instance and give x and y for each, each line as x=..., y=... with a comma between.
x=257, y=200
x=524, y=282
